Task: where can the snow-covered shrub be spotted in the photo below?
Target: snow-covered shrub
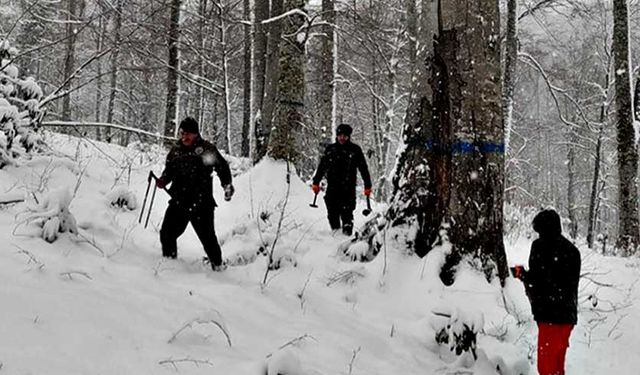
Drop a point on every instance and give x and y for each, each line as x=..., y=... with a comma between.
x=20, y=112
x=457, y=329
x=53, y=214
x=122, y=197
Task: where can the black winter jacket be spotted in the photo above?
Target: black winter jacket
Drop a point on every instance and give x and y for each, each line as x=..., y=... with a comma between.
x=340, y=163
x=554, y=273
x=190, y=169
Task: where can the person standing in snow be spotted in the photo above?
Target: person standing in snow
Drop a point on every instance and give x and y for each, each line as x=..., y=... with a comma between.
x=189, y=167
x=551, y=284
x=339, y=163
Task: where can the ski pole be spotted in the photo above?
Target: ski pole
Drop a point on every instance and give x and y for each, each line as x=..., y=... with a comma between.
x=153, y=196
x=146, y=194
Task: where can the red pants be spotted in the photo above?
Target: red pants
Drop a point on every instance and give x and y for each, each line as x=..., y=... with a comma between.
x=553, y=341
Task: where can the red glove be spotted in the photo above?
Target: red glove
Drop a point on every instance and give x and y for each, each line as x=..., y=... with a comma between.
x=367, y=191
x=315, y=188
x=160, y=184
x=518, y=271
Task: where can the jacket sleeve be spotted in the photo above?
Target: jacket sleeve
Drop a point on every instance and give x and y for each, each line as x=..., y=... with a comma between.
x=322, y=167
x=221, y=166
x=532, y=275
x=364, y=170
x=169, y=167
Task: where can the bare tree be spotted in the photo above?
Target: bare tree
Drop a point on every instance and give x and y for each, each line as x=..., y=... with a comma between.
x=629, y=227
x=115, y=52
x=261, y=13
x=173, y=65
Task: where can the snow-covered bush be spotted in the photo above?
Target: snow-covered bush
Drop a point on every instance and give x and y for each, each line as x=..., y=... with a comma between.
x=20, y=112
x=53, y=214
x=122, y=197
x=457, y=329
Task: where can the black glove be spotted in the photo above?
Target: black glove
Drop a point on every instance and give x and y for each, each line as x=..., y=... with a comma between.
x=228, y=192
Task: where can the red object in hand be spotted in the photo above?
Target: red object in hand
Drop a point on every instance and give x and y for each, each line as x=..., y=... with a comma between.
x=367, y=191
x=519, y=271
x=315, y=188
x=160, y=184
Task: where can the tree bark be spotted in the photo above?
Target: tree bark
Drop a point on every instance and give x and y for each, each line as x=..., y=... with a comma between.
x=246, y=87
x=173, y=63
x=458, y=158
x=261, y=13
x=288, y=114
x=510, y=63
x=272, y=76
x=70, y=56
x=629, y=231
x=325, y=110
x=225, y=79
x=113, y=85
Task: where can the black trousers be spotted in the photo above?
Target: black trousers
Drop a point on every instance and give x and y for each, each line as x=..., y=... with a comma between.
x=340, y=211
x=175, y=222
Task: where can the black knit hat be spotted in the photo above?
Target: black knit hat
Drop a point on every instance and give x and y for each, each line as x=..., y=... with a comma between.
x=344, y=129
x=189, y=125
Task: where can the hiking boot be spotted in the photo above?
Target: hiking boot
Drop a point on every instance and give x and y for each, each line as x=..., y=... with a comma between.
x=219, y=267
x=347, y=229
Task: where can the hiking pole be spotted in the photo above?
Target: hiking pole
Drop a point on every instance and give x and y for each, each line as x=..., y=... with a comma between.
x=367, y=210
x=153, y=196
x=314, y=205
x=146, y=194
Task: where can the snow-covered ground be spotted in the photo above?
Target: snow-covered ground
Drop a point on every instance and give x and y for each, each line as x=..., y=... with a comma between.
x=104, y=301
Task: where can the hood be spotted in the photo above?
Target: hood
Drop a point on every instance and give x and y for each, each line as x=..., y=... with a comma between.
x=547, y=223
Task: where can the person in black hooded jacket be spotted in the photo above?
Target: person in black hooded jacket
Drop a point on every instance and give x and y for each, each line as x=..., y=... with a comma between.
x=551, y=284
x=340, y=163
x=189, y=168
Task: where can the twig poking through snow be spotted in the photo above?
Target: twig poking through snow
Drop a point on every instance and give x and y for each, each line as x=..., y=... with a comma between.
x=175, y=362
x=353, y=358
x=32, y=258
x=201, y=320
x=70, y=274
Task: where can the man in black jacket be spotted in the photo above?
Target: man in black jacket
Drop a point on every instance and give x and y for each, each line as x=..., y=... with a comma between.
x=188, y=169
x=552, y=286
x=339, y=163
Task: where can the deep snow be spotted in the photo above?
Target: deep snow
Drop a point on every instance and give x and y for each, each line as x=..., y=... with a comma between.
x=105, y=302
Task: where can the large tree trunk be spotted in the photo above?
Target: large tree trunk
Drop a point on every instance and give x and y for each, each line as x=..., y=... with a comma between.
x=412, y=184
x=629, y=231
x=246, y=86
x=288, y=115
x=261, y=13
x=272, y=76
x=459, y=159
x=173, y=62
x=114, y=67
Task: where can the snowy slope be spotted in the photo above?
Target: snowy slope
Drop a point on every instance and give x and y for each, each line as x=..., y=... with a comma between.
x=105, y=302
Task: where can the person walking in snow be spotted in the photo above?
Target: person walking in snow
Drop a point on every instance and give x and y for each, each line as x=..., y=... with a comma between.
x=189, y=167
x=551, y=284
x=339, y=163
